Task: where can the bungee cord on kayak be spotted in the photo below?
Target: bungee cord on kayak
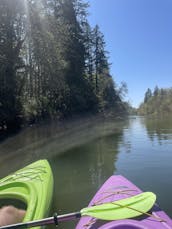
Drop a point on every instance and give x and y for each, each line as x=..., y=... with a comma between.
x=125, y=203
x=155, y=218
x=99, y=201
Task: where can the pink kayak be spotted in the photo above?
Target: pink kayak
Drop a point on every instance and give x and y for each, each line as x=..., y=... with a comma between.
x=116, y=188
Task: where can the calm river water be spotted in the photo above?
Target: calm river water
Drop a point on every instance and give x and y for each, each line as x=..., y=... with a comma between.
x=83, y=154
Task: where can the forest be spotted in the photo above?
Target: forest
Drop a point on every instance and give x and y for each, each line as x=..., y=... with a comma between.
x=53, y=64
x=157, y=102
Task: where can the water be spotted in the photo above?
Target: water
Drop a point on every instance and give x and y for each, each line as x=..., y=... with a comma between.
x=83, y=154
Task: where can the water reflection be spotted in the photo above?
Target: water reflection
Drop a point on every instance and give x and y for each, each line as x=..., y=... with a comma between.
x=159, y=129
x=148, y=164
x=81, y=171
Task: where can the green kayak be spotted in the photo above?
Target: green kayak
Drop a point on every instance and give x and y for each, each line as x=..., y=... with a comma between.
x=33, y=186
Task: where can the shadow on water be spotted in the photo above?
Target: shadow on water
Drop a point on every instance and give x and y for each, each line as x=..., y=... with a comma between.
x=52, y=139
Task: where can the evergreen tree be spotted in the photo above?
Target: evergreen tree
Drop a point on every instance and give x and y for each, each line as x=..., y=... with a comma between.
x=89, y=50
x=156, y=91
x=11, y=41
x=148, y=95
x=99, y=55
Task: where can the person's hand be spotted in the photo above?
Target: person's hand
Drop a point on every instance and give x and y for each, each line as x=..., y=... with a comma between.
x=11, y=215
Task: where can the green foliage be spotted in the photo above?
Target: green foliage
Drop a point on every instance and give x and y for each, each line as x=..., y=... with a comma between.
x=160, y=103
x=52, y=63
x=11, y=41
x=148, y=95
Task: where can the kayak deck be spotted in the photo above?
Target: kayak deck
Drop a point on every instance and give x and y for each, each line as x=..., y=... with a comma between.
x=115, y=188
x=32, y=185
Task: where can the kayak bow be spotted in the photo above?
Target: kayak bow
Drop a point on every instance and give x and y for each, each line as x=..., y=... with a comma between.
x=118, y=188
x=32, y=185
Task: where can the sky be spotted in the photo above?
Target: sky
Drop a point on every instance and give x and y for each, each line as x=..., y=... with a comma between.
x=138, y=36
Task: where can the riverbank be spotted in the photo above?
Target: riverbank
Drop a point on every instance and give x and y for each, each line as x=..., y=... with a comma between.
x=61, y=123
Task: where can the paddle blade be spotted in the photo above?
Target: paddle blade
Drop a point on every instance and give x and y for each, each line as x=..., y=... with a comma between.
x=122, y=209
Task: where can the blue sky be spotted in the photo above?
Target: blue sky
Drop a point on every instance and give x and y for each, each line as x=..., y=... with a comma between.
x=138, y=35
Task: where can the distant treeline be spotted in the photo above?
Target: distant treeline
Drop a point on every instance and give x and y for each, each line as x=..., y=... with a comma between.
x=158, y=102
x=52, y=63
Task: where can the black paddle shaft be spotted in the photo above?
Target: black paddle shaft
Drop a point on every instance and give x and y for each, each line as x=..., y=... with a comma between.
x=51, y=220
